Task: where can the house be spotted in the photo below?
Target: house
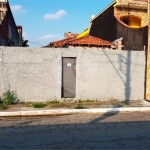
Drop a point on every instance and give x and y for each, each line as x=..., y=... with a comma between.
x=10, y=33
x=81, y=41
x=124, y=23
x=127, y=19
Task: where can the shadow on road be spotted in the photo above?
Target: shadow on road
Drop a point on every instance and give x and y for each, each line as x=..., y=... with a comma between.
x=78, y=131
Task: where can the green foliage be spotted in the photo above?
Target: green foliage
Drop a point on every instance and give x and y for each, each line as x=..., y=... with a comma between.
x=80, y=101
x=79, y=106
x=38, y=105
x=9, y=97
x=126, y=102
x=25, y=43
x=54, y=102
x=89, y=100
x=3, y=106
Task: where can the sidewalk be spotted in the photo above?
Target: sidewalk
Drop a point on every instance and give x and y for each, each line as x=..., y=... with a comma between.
x=105, y=107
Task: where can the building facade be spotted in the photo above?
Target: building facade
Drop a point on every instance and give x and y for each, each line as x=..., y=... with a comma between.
x=126, y=19
x=10, y=33
x=132, y=12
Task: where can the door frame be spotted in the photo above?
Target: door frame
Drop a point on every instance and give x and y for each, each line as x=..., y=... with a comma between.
x=62, y=81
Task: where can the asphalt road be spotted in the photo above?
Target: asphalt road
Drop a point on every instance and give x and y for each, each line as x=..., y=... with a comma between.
x=78, y=131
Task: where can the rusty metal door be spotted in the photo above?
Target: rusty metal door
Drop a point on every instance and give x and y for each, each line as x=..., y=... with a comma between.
x=68, y=77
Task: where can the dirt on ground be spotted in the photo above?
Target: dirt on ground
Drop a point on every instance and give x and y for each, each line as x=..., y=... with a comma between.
x=79, y=105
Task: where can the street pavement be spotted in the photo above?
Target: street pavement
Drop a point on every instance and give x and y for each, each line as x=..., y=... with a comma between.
x=117, y=130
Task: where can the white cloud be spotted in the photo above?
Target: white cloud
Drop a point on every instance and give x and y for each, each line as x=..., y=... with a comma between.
x=48, y=36
x=57, y=15
x=16, y=8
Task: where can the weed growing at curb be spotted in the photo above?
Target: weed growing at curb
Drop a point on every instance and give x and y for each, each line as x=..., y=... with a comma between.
x=28, y=104
x=79, y=106
x=126, y=102
x=88, y=101
x=80, y=101
x=38, y=105
x=9, y=97
x=3, y=106
x=54, y=102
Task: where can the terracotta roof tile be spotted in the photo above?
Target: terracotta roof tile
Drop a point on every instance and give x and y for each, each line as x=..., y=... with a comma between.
x=90, y=40
x=59, y=43
x=83, y=41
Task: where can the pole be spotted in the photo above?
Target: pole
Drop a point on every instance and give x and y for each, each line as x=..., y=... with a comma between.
x=147, y=95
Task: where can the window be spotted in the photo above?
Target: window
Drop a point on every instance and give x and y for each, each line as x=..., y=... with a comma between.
x=132, y=21
x=126, y=21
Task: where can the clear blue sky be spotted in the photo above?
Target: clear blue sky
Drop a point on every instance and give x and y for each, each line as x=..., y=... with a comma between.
x=44, y=21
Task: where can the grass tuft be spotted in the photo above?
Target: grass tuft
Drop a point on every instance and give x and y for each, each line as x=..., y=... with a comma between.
x=54, y=102
x=88, y=101
x=79, y=106
x=80, y=101
x=3, y=106
x=9, y=97
x=38, y=105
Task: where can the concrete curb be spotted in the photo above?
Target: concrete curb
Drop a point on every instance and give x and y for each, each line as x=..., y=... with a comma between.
x=72, y=111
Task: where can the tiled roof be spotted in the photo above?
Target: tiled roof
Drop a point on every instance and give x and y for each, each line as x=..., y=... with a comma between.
x=60, y=43
x=84, y=41
x=91, y=41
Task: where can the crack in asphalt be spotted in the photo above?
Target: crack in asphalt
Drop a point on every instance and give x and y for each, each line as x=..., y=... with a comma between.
x=76, y=132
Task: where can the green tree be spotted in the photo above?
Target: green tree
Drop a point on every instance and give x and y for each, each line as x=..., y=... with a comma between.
x=24, y=43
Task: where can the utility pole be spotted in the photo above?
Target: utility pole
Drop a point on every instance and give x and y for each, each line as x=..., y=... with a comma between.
x=147, y=95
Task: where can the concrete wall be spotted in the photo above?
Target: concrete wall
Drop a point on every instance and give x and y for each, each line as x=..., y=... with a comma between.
x=36, y=74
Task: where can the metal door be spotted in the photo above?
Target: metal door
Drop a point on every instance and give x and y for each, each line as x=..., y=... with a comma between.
x=68, y=77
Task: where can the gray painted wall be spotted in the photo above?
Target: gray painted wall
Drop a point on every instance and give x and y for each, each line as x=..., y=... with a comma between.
x=36, y=73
